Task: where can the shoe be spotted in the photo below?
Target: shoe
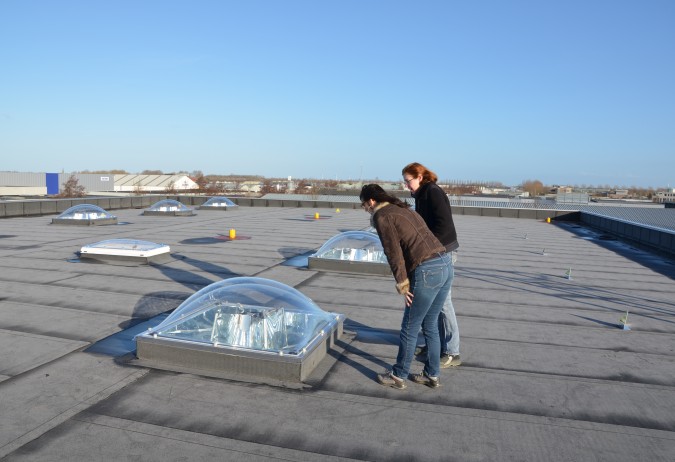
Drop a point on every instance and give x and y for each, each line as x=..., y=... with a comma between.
x=450, y=360
x=388, y=379
x=421, y=351
x=424, y=379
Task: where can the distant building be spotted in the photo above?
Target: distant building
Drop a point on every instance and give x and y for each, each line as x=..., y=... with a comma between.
x=24, y=184
x=153, y=183
x=492, y=190
x=665, y=197
x=572, y=198
x=618, y=193
x=252, y=186
x=43, y=184
x=350, y=185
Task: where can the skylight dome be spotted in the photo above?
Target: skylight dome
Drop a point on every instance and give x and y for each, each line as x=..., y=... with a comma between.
x=132, y=250
x=168, y=207
x=218, y=203
x=85, y=214
x=351, y=251
x=353, y=246
x=250, y=320
x=247, y=312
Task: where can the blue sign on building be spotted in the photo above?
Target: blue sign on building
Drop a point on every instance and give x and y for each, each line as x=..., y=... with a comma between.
x=52, y=183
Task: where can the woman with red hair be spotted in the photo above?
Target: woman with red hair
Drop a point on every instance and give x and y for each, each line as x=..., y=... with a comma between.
x=432, y=203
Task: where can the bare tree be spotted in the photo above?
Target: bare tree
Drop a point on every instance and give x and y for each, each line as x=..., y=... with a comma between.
x=170, y=188
x=267, y=187
x=301, y=187
x=220, y=188
x=533, y=187
x=201, y=181
x=214, y=188
x=460, y=190
x=72, y=188
x=138, y=189
x=330, y=184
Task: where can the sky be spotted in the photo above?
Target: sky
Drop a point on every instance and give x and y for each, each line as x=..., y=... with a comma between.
x=574, y=92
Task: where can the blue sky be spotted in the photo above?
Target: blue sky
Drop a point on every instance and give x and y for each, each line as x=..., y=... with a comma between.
x=567, y=92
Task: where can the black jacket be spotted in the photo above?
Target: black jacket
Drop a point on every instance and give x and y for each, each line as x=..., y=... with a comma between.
x=432, y=203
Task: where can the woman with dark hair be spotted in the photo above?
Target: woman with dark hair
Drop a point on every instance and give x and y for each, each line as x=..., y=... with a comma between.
x=421, y=269
x=432, y=203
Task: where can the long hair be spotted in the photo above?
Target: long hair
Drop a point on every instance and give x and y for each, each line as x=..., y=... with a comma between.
x=379, y=195
x=416, y=169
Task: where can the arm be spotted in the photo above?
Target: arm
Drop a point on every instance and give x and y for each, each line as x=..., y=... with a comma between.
x=392, y=249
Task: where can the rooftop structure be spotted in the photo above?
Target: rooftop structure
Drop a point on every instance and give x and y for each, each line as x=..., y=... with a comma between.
x=126, y=250
x=548, y=371
x=218, y=203
x=153, y=183
x=351, y=251
x=85, y=215
x=169, y=207
x=248, y=325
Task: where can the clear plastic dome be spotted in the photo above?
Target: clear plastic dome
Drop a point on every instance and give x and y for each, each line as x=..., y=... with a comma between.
x=169, y=205
x=125, y=247
x=249, y=313
x=85, y=212
x=353, y=246
x=218, y=202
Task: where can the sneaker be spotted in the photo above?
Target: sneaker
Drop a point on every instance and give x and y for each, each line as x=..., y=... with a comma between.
x=388, y=379
x=421, y=351
x=450, y=360
x=424, y=379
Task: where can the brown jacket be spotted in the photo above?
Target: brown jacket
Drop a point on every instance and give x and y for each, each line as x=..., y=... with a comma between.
x=406, y=241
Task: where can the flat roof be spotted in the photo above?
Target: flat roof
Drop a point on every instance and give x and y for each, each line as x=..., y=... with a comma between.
x=548, y=373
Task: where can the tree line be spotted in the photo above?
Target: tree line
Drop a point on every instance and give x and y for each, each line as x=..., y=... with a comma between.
x=214, y=184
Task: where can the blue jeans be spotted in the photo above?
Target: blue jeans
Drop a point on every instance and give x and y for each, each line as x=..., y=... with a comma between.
x=447, y=323
x=430, y=284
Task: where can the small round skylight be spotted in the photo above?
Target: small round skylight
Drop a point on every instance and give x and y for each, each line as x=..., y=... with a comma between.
x=353, y=246
x=169, y=205
x=248, y=313
x=85, y=212
x=218, y=203
x=85, y=215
